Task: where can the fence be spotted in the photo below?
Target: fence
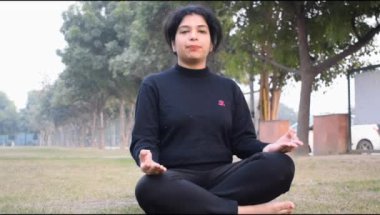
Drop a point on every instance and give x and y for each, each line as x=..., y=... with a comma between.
x=19, y=139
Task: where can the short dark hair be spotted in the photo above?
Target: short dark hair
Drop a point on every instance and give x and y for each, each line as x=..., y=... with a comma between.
x=175, y=18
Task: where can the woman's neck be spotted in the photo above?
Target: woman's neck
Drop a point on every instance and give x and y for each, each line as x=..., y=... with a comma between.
x=192, y=65
x=190, y=72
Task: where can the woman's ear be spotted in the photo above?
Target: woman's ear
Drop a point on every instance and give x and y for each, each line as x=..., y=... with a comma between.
x=211, y=48
x=173, y=47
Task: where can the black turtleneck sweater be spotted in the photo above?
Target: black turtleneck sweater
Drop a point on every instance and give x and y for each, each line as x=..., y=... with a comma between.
x=192, y=119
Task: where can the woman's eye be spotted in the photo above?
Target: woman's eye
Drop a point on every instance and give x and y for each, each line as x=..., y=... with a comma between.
x=202, y=31
x=183, y=32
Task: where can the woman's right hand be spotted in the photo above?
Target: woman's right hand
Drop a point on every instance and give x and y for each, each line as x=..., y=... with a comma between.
x=148, y=166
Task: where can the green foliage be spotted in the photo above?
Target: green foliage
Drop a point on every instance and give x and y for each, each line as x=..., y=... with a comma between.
x=95, y=33
x=258, y=27
x=28, y=114
x=319, y=39
x=268, y=28
x=147, y=51
x=111, y=46
x=8, y=115
x=335, y=26
x=84, y=56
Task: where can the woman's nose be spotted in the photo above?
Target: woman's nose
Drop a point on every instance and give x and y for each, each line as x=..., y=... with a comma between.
x=193, y=35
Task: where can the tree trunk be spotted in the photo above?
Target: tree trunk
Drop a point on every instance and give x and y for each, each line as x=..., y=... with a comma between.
x=269, y=98
x=61, y=137
x=102, y=130
x=82, y=136
x=307, y=78
x=252, y=96
x=274, y=103
x=264, y=96
x=93, y=129
x=123, y=135
x=49, y=139
x=130, y=123
x=42, y=137
x=304, y=112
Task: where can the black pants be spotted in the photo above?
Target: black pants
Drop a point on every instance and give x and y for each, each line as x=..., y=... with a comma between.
x=257, y=179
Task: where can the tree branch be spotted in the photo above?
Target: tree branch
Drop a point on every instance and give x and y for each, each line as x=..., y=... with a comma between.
x=370, y=67
x=350, y=50
x=354, y=29
x=273, y=63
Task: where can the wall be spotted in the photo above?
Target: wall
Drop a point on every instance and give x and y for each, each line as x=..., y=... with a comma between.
x=367, y=102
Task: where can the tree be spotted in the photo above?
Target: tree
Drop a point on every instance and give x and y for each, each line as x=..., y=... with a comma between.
x=111, y=47
x=123, y=87
x=345, y=31
x=145, y=51
x=8, y=115
x=36, y=115
x=314, y=41
x=89, y=36
x=247, y=34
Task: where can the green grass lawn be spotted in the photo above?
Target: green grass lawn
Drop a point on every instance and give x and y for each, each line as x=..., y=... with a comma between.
x=86, y=180
x=63, y=180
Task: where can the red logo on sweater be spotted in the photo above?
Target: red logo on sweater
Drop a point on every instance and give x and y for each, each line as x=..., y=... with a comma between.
x=221, y=103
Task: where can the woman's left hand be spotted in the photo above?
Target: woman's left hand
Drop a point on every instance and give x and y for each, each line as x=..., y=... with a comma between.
x=286, y=143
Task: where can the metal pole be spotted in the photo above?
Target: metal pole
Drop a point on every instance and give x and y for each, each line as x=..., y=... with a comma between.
x=349, y=113
x=252, y=97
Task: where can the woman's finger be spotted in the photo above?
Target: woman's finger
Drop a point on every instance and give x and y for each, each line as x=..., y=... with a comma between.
x=155, y=169
x=145, y=155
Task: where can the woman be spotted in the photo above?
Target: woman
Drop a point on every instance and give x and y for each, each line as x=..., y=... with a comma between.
x=189, y=123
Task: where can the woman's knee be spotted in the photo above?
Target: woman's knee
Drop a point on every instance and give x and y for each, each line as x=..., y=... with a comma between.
x=278, y=159
x=150, y=189
x=286, y=162
x=283, y=168
x=142, y=187
x=142, y=190
x=148, y=185
x=147, y=192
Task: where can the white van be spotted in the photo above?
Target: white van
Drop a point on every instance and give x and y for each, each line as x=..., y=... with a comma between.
x=365, y=137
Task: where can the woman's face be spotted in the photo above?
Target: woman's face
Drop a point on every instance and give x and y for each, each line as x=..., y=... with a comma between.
x=192, y=41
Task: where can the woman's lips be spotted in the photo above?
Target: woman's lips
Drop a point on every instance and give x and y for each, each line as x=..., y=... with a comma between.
x=194, y=47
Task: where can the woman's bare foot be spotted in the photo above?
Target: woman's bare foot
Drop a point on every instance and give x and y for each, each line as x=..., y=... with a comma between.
x=285, y=207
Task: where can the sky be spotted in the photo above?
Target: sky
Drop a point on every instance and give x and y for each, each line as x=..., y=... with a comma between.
x=30, y=35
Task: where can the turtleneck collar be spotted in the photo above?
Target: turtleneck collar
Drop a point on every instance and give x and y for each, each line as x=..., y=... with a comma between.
x=192, y=72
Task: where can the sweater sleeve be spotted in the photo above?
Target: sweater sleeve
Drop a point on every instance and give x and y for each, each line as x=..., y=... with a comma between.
x=244, y=140
x=145, y=133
